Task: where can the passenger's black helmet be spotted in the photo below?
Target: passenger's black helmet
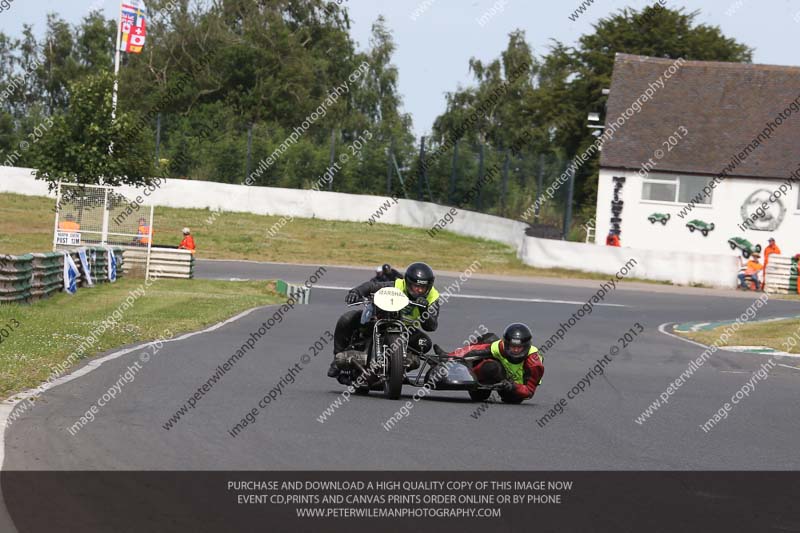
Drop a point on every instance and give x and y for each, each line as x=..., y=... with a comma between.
x=386, y=268
x=419, y=280
x=516, y=342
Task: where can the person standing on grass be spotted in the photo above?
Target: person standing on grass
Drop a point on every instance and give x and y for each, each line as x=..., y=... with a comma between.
x=188, y=241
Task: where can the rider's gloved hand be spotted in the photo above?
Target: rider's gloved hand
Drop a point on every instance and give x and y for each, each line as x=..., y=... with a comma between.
x=352, y=297
x=421, y=300
x=505, y=386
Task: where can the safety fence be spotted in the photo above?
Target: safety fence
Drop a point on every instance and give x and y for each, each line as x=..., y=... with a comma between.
x=164, y=262
x=31, y=277
x=781, y=274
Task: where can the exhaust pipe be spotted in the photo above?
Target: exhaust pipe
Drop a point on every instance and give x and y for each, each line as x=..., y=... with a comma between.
x=350, y=358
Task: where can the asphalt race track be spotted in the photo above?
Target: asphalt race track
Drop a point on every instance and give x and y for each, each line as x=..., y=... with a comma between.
x=597, y=430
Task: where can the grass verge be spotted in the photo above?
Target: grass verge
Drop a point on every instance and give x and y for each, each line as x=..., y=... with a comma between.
x=49, y=331
x=27, y=225
x=783, y=335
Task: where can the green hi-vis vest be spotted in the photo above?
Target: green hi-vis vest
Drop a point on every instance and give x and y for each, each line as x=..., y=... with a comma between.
x=412, y=312
x=515, y=371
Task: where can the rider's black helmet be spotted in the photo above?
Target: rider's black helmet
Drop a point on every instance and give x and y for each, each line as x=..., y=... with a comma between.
x=516, y=342
x=419, y=280
x=386, y=269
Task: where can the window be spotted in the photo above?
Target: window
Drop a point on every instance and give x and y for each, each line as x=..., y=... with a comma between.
x=676, y=189
x=659, y=191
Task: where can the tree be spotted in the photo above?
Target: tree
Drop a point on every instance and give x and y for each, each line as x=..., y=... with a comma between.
x=584, y=71
x=562, y=88
x=74, y=146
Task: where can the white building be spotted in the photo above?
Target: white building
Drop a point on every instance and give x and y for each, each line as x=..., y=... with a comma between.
x=731, y=128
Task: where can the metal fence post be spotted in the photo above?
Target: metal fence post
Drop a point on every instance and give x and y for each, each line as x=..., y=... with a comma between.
x=504, y=191
x=58, y=211
x=389, y=168
x=480, y=177
x=104, y=231
x=539, y=186
x=333, y=157
x=249, y=152
x=158, y=138
x=149, y=245
x=421, y=175
x=568, y=207
x=453, y=175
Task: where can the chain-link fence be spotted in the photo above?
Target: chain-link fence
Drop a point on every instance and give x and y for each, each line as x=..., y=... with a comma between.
x=91, y=215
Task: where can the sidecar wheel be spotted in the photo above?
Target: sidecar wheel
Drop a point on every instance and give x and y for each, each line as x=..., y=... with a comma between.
x=479, y=395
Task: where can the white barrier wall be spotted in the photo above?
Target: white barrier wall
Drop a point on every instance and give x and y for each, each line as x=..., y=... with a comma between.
x=296, y=203
x=682, y=268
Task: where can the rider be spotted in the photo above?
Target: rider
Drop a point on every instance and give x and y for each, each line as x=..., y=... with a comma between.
x=512, y=362
x=386, y=273
x=417, y=284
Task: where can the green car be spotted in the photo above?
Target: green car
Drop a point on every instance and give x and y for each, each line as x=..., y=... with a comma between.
x=703, y=227
x=658, y=217
x=744, y=245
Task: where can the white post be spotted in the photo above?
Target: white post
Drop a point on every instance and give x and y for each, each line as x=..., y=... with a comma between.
x=116, y=76
x=149, y=245
x=58, y=211
x=104, y=234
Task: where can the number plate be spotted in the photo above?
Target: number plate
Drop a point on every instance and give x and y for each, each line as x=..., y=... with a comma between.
x=390, y=299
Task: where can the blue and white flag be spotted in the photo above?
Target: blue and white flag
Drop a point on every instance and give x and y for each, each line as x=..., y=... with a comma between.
x=111, y=261
x=70, y=274
x=87, y=270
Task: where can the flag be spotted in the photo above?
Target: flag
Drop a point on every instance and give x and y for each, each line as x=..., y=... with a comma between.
x=70, y=274
x=133, y=26
x=87, y=269
x=111, y=261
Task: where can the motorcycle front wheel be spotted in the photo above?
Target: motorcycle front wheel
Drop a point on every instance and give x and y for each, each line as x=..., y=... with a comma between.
x=393, y=383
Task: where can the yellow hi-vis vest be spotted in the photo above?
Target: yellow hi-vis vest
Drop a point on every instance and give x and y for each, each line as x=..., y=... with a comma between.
x=412, y=312
x=516, y=371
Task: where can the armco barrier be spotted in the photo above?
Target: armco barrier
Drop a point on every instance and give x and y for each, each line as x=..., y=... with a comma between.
x=781, y=275
x=681, y=268
x=36, y=276
x=164, y=262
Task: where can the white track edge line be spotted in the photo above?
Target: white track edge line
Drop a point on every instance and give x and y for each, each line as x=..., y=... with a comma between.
x=7, y=406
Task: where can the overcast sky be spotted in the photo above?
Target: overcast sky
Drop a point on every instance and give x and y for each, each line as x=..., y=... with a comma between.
x=434, y=48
